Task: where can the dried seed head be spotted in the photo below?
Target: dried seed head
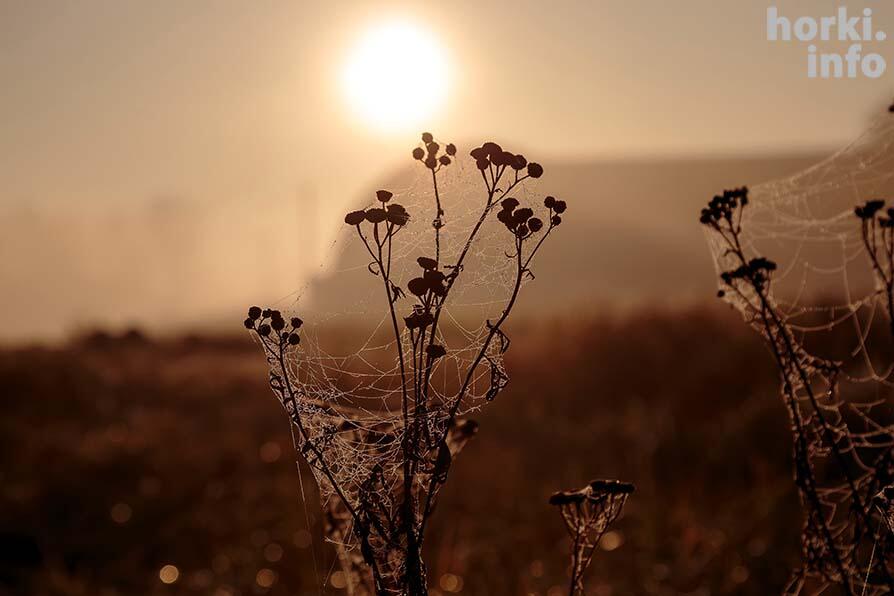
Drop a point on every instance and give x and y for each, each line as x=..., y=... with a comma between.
x=502, y=158
x=384, y=196
x=418, y=286
x=397, y=214
x=355, y=218
x=509, y=204
x=524, y=214
x=505, y=217
x=376, y=215
x=419, y=320
x=566, y=498
x=870, y=209
x=535, y=224
x=435, y=351
x=434, y=276
x=491, y=149
x=427, y=263
x=435, y=281
x=535, y=170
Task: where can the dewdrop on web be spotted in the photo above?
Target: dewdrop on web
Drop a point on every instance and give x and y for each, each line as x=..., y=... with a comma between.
x=841, y=28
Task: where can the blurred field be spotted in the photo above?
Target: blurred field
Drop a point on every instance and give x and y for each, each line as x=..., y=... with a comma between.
x=121, y=455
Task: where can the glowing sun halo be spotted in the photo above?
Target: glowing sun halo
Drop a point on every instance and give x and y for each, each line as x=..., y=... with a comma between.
x=396, y=76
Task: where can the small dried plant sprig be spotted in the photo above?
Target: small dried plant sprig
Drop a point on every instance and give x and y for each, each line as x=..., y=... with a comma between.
x=838, y=512
x=272, y=327
x=430, y=154
x=588, y=513
x=877, y=229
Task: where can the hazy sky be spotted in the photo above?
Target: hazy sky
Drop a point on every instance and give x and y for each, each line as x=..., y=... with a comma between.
x=120, y=101
x=109, y=106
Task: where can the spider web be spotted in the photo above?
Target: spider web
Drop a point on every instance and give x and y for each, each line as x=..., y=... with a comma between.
x=836, y=334
x=825, y=282
x=345, y=371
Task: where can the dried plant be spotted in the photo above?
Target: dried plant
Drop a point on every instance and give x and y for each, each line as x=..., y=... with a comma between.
x=587, y=514
x=379, y=472
x=842, y=448
x=877, y=230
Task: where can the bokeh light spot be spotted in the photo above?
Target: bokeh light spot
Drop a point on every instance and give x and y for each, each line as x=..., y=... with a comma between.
x=265, y=578
x=121, y=513
x=168, y=574
x=611, y=541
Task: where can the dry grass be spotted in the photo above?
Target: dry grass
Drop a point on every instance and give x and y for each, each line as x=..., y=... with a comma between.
x=187, y=436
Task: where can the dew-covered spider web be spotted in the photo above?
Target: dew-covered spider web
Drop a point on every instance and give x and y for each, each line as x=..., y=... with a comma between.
x=813, y=276
x=342, y=384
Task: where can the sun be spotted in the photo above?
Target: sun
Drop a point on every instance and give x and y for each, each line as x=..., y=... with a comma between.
x=396, y=76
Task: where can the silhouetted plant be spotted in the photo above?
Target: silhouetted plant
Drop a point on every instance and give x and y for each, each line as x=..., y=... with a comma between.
x=387, y=472
x=587, y=514
x=842, y=454
x=877, y=229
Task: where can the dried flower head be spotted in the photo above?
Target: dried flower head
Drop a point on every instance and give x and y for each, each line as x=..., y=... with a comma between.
x=355, y=218
x=427, y=263
x=869, y=209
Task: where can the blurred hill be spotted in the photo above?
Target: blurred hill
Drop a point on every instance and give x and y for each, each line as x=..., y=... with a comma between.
x=631, y=236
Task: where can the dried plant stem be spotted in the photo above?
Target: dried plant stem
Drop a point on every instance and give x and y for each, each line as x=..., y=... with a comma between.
x=878, y=242
x=386, y=497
